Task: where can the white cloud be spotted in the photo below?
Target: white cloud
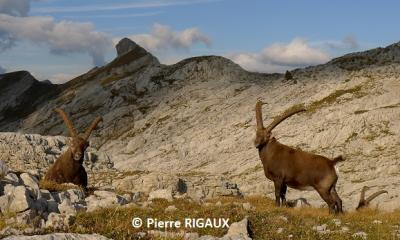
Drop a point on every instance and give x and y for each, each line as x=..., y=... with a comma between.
x=2, y=70
x=163, y=38
x=280, y=57
x=61, y=37
x=116, y=6
x=15, y=7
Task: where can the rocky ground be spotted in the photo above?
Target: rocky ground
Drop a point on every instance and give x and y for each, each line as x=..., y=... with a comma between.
x=29, y=208
x=187, y=129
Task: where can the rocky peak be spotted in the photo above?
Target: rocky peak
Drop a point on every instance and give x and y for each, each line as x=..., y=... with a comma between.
x=126, y=45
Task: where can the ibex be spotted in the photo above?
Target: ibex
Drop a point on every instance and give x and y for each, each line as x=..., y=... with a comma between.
x=365, y=202
x=69, y=166
x=287, y=166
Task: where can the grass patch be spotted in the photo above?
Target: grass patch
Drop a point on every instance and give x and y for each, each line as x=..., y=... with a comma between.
x=57, y=187
x=111, y=78
x=265, y=219
x=332, y=98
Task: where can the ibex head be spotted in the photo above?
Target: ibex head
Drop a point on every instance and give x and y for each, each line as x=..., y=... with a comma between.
x=264, y=134
x=364, y=202
x=79, y=142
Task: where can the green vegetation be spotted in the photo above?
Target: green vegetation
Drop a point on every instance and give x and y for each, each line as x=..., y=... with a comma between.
x=331, y=98
x=112, y=78
x=265, y=219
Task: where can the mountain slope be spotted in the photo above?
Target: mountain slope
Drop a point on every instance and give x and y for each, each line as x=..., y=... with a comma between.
x=195, y=119
x=21, y=94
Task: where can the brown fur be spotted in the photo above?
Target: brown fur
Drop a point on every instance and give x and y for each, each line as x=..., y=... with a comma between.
x=287, y=166
x=69, y=166
x=363, y=203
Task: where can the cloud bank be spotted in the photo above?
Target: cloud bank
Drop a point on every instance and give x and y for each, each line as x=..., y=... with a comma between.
x=61, y=37
x=19, y=8
x=280, y=57
x=163, y=38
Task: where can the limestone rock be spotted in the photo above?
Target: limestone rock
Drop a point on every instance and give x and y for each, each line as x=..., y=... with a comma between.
x=20, y=199
x=104, y=199
x=12, y=178
x=161, y=194
x=238, y=230
x=32, y=183
x=3, y=169
x=69, y=208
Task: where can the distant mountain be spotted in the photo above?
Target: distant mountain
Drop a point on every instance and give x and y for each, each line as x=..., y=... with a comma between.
x=195, y=119
x=20, y=95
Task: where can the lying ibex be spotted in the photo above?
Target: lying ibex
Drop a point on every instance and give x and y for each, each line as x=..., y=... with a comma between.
x=365, y=202
x=69, y=166
x=287, y=166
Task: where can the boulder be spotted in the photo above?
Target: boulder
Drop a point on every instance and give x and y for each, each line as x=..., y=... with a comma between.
x=238, y=230
x=12, y=178
x=69, y=208
x=20, y=199
x=29, y=180
x=32, y=183
x=104, y=199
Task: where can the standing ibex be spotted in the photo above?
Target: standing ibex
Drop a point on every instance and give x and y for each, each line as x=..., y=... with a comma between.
x=287, y=166
x=69, y=166
x=365, y=202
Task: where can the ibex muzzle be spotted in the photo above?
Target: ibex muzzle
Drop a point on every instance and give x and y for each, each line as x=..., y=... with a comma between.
x=287, y=166
x=69, y=166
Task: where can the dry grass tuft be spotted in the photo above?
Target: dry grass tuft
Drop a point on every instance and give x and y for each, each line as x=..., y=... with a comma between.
x=56, y=187
x=265, y=219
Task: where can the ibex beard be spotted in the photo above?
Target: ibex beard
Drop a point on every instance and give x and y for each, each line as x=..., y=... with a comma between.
x=68, y=168
x=289, y=167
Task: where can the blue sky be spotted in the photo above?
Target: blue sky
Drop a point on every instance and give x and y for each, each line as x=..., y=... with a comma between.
x=59, y=39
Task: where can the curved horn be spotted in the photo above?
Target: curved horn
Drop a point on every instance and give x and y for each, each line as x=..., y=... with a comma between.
x=92, y=126
x=373, y=196
x=286, y=114
x=362, y=195
x=259, y=119
x=67, y=122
